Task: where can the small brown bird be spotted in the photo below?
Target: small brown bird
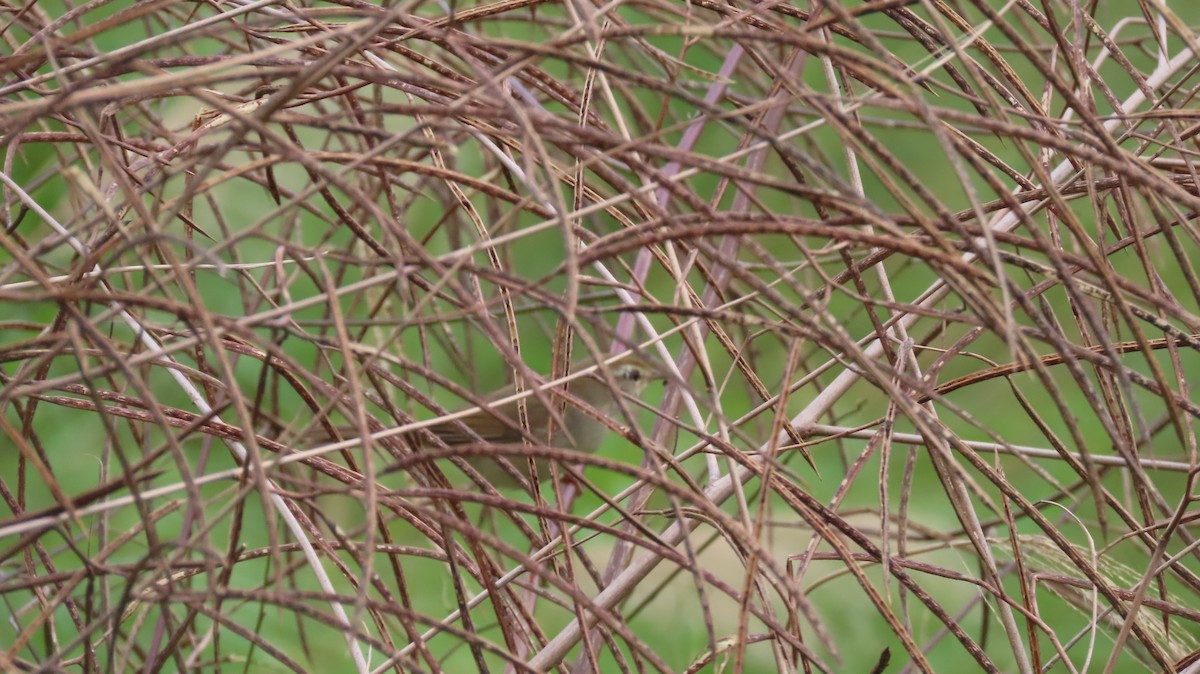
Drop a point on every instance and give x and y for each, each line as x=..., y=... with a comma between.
x=580, y=431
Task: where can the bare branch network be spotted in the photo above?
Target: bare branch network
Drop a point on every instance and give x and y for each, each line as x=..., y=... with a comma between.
x=915, y=284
